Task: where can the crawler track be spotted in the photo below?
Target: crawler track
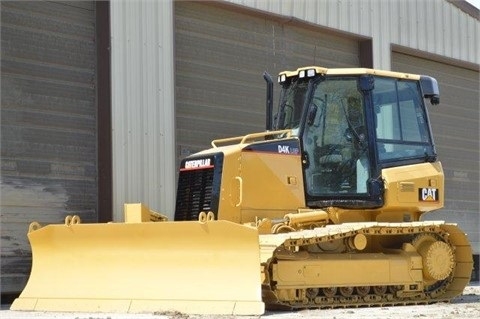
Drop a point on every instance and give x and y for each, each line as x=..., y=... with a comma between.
x=279, y=246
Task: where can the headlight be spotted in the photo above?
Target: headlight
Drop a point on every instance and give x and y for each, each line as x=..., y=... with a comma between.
x=306, y=73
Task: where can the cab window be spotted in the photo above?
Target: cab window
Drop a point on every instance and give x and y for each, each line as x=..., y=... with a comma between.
x=401, y=124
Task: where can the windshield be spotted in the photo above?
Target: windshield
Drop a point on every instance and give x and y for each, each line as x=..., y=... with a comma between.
x=292, y=100
x=335, y=139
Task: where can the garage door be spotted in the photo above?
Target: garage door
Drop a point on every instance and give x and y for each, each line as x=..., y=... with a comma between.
x=221, y=54
x=455, y=124
x=48, y=123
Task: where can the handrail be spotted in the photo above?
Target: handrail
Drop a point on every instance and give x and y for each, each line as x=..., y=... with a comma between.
x=250, y=137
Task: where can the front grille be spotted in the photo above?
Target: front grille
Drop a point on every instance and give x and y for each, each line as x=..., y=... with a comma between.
x=198, y=191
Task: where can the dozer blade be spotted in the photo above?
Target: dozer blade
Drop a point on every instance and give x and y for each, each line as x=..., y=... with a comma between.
x=190, y=267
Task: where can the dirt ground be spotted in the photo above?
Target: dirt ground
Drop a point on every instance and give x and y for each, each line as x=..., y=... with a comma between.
x=465, y=306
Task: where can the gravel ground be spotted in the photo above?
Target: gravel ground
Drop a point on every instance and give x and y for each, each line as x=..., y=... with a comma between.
x=465, y=306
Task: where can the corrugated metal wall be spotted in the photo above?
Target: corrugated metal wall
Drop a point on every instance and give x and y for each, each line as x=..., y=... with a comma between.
x=220, y=55
x=434, y=26
x=214, y=47
x=142, y=105
x=455, y=124
x=48, y=123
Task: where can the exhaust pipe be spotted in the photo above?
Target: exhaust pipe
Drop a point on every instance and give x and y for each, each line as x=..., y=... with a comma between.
x=269, y=107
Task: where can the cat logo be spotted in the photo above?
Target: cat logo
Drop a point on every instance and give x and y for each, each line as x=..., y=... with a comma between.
x=428, y=195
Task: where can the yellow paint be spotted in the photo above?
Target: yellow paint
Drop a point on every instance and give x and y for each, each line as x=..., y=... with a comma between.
x=137, y=267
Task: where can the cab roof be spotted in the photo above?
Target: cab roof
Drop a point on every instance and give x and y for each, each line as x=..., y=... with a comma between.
x=349, y=71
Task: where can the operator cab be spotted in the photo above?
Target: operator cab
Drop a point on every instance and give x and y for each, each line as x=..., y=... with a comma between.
x=351, y=124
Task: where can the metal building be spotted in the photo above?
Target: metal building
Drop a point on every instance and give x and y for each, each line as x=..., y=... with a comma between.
x=100, y=100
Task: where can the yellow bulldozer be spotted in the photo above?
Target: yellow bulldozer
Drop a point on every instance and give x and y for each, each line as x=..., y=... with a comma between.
x=321, y=210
